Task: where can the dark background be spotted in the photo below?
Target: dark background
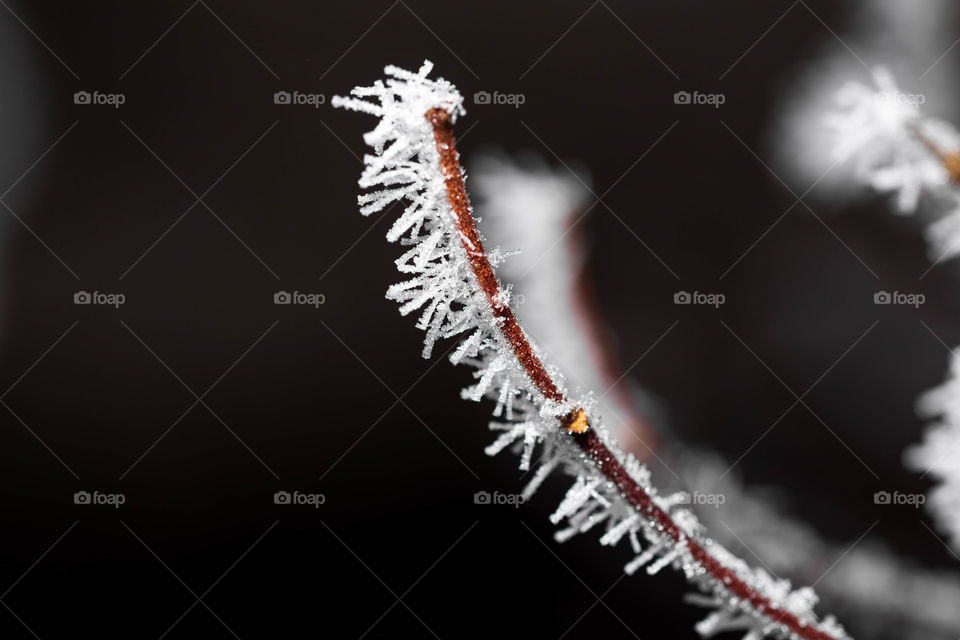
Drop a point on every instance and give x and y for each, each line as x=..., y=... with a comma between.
x=313, y=405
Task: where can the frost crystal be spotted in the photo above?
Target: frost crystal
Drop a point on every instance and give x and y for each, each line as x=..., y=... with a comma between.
x=939, y=454
x=445, y=289
x=897, y=150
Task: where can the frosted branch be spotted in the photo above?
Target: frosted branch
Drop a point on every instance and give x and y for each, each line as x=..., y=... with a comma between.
x=453, y=286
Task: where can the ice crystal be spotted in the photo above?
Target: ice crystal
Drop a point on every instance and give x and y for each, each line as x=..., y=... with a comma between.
x=442, y=286
x=896, y=149
x=939, y=454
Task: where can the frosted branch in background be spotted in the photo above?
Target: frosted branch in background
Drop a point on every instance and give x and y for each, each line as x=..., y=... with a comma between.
x=939, y=454
x=893, y=148
x=896, y=149
x=527, y=206
x=901, y=36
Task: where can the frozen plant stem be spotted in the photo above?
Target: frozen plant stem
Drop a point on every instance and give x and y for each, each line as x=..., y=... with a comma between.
x=577, y=422
x=470, y=239
x=452, y=281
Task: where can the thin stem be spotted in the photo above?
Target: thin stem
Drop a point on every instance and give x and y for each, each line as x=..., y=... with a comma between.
x=576, y=422
x=470, y=239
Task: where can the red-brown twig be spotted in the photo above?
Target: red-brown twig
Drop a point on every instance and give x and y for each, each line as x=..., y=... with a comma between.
x=576, y=423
